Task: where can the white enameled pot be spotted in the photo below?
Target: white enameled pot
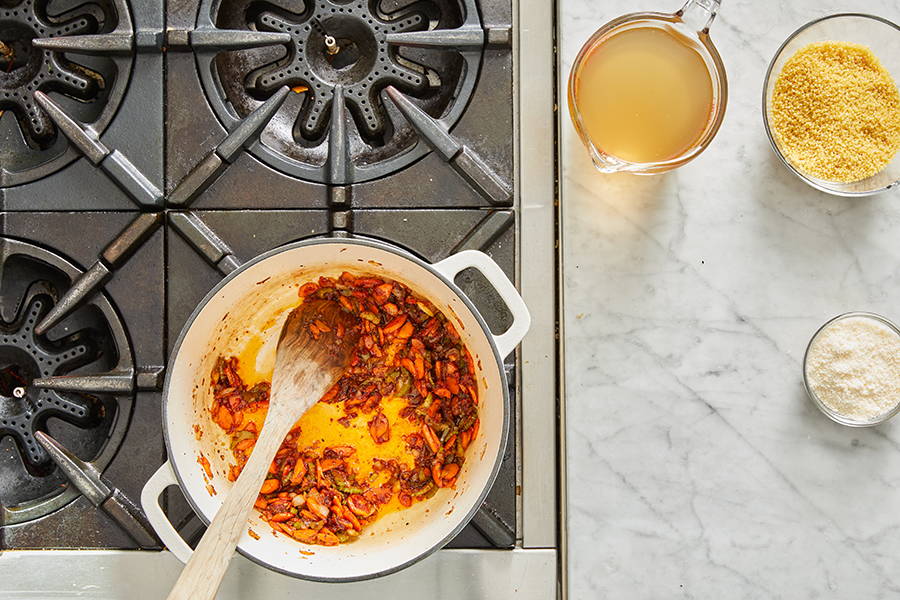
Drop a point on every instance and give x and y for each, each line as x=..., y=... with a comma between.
x=253, y=300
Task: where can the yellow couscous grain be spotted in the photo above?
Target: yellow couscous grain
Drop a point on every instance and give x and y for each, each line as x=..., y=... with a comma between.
x=835, y=112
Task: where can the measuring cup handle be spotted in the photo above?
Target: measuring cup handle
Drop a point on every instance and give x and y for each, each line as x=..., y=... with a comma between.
x=699, y=14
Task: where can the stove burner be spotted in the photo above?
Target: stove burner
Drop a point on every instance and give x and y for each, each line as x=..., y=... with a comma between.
x=88, y=84
x=91, y=340
x=28, y=69
x=343, y=54
x=360, y=61
x=23, y=357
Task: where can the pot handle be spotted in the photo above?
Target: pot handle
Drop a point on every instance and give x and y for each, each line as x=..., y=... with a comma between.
x=451, y=266
x=159, y=481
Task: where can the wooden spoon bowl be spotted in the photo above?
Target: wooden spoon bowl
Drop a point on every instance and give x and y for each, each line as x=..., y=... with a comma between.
x=314, y=350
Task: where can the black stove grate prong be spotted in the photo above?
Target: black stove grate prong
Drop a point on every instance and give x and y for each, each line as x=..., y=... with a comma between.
x=115, y=382
x=218, y=40
x=92, y=44
x=432, y=130
x=487, y=231
x=460, y=157
x=80, y=289
x=205, y=241
x=248, y=129
x=245, y=133
x=466, y=38
x=339, y=162
x=87, y=479
x=121, y=170
x=493, y=527
x=86, y=142
x=116, y=253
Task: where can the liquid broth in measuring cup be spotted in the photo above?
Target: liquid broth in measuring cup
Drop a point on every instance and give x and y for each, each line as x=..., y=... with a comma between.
x=647, y=91
x=644, y=95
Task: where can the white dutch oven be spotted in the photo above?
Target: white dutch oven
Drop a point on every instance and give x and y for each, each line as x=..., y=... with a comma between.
x=252, y=301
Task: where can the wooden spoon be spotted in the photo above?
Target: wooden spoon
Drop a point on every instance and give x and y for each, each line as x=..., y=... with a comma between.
x=313, y=351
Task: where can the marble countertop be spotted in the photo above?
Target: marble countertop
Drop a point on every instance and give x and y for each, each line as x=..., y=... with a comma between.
x=697, y=467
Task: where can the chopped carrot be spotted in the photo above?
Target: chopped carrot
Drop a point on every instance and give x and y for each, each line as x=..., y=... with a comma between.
x=269, y=486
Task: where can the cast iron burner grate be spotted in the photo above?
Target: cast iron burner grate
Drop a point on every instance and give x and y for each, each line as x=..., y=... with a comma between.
x=339, y=56
x=339, y=46
x=25, y=68
x=25, y=357
x=90, y=340
x=88, y=78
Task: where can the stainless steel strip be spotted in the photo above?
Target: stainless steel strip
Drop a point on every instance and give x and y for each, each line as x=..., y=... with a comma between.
x=561, y=462
x=537, y=246
x=137, y=575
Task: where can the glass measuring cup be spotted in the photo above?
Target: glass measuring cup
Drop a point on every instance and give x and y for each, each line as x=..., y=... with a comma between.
x=691, y=25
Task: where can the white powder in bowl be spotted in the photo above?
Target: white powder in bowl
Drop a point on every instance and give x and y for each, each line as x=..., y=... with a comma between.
x=853, y=367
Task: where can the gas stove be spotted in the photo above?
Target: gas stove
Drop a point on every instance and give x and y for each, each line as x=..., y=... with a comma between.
x=149, y=148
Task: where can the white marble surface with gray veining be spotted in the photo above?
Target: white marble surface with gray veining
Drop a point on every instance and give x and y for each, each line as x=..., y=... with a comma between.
x=697, y=467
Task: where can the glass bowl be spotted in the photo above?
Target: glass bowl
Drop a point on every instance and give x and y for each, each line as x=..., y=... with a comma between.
x=878, y=34
x=826, y=410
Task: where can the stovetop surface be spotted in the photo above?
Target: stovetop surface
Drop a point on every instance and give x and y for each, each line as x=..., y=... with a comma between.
x=155, y=204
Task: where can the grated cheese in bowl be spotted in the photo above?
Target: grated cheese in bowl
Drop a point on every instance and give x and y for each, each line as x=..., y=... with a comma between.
x=852, y=369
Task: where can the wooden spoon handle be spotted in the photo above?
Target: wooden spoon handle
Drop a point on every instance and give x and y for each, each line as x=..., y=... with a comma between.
x=203, y=573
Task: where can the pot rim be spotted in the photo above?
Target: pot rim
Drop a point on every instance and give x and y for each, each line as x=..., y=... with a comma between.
x=455, y=289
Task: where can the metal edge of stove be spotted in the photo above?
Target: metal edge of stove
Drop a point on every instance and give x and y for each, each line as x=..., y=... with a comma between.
x=543, y=499
x=537, y=246
x=119, y=574
x=563, y=522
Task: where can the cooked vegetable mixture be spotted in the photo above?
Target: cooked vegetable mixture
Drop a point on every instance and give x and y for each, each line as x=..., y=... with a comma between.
x=390, y=432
